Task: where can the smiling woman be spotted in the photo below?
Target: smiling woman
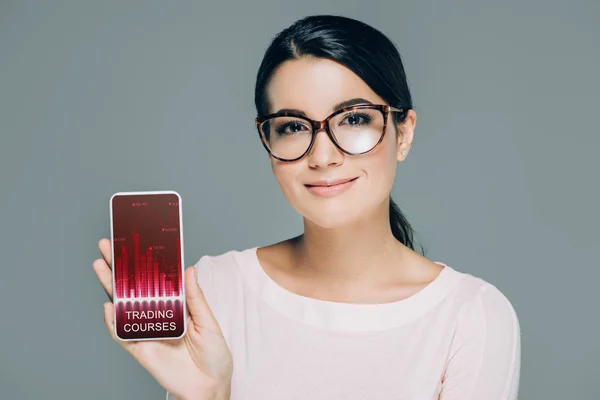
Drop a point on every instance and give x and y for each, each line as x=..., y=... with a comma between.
x=347, y=309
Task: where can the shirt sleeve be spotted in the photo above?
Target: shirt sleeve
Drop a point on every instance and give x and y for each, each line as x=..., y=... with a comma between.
x=485, y=355
x=204, y=275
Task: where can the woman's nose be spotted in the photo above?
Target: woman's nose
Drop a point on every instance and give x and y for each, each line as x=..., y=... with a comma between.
x=324, y=152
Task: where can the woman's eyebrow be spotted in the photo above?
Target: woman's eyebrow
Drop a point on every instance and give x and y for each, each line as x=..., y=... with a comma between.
x=349, y=103
x=339, y=106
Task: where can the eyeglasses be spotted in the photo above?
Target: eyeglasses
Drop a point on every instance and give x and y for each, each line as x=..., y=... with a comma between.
x=354, y=130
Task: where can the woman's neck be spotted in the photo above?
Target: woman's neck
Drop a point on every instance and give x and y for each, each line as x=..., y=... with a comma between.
x=364, y=251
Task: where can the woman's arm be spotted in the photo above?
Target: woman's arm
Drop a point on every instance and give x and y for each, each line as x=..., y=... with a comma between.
x=485, y=355
x=205, y=275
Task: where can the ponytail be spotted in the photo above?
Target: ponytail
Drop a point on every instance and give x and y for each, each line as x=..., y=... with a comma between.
x=401, y=228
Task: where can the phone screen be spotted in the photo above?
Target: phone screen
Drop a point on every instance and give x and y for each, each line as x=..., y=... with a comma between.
x=148, y=291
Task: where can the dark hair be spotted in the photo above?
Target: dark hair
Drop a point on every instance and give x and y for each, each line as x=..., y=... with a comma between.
x=357, y=46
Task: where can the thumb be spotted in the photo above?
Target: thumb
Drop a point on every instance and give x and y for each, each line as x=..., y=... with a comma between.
x=197, y=306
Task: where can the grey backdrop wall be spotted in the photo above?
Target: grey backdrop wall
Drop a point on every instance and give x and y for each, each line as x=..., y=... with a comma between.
x=99, y=97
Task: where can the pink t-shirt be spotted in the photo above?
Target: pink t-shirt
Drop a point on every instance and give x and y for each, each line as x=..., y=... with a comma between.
x=456, y=339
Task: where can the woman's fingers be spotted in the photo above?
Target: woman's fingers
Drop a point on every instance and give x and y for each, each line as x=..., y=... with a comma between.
x=110, y=325
x=196, y=303
x=102, y=266
x=104, y=274
x=105, y=250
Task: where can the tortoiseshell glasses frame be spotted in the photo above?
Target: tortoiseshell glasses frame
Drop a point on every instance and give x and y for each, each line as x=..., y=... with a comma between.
x=385, y=110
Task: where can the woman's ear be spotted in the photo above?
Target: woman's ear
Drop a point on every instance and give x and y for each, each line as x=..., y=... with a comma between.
x=406, y=131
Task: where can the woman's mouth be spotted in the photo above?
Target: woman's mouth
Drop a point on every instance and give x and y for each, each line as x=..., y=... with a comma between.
x=330, y=187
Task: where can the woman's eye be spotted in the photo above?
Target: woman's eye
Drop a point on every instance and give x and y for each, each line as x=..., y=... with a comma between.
x=353, y=120
x=290, y=127
x=357, y=119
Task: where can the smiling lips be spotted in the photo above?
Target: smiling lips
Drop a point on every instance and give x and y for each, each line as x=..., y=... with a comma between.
x=330, y=187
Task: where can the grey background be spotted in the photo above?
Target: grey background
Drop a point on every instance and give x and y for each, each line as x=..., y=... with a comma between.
x=106, y=96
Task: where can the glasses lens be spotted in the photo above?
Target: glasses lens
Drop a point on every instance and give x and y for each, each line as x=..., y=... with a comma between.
x=356, y=131
x=359, y=130
x=287, y=137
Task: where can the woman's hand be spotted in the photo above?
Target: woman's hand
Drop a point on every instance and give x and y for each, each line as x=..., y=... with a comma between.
x=196, y=365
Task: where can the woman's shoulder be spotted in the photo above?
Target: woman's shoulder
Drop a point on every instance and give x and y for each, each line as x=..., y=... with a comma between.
x=242, y=262
x=224, y=258
x=485, y=339
x=213, y=266
x=480, y=301
x=220, y=275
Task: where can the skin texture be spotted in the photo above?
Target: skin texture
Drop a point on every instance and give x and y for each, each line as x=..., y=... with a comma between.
x=347, y=252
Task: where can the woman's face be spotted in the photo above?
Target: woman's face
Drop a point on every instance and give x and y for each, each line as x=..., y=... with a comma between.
x=315, y=86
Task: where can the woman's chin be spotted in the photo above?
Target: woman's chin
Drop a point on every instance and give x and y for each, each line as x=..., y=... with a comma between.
x=331, y=220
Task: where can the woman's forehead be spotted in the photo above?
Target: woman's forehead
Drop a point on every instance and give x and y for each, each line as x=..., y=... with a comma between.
x=315, y=86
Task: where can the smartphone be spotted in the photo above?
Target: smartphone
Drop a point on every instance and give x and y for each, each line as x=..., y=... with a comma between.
x=148, y=265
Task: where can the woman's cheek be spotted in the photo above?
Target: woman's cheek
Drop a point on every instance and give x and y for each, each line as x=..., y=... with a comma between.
x=285, y=176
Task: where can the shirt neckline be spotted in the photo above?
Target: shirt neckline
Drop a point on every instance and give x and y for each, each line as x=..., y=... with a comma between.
x=352, y=317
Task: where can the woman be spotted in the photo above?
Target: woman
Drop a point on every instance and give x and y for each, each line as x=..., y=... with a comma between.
x=347, y=309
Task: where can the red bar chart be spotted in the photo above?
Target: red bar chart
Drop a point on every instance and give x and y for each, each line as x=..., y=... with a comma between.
x=147, y=277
